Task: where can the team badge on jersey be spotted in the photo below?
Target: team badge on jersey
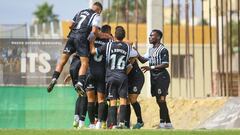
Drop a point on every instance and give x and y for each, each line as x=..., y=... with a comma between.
x=66, y=50
x=135, y=89
x=159, y=91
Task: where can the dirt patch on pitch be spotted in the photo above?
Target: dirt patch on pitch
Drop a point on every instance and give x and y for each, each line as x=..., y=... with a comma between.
x=184, y=113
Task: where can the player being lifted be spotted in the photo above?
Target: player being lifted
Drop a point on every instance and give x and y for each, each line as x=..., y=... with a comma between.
x=85, y=28
x=96, y=83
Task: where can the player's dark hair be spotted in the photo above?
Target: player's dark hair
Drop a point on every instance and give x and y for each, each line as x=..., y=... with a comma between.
x=106, y=28
x=119, y=33
x=98, y=4
x=159, y=32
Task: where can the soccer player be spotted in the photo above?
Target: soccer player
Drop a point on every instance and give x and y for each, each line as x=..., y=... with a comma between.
x=81, y=102
x=84, y=29
x=117, y=55
x=135, y=84
x=158, y=58
x=96, y=83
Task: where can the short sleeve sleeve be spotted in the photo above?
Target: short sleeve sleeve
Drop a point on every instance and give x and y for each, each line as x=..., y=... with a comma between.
x=96, y=21
x=164, y=56
x=75, y=17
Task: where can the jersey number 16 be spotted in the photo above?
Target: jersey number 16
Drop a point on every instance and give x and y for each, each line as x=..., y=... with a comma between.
x=117, y=63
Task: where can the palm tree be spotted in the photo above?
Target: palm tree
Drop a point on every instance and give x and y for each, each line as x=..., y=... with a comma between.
x=120, y=7
x=44, y=13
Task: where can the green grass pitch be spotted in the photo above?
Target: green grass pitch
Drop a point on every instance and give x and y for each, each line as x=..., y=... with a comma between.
x=115, y=132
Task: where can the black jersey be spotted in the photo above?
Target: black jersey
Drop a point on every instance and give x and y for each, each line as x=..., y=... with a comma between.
x=97, y=62
x=135, y=72
x=117, y=55
x=135, y=79
x=83, y=22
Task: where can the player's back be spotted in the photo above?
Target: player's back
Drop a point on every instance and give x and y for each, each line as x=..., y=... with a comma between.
x=117, y=55
x=97, y=62
x=82, y=22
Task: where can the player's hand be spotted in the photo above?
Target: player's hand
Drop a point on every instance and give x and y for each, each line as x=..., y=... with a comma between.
x=145, y=68
x=67, y=79
x=91, y=37
x=136, y=51
x=106, y=36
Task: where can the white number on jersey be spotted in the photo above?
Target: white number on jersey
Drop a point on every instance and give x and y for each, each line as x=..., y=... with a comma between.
x=98, y=58
x=117, y=64
x=82, y=18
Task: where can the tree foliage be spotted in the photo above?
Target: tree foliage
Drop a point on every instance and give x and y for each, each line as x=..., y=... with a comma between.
x=44, y=13
x=119, y=6
x=234, y=35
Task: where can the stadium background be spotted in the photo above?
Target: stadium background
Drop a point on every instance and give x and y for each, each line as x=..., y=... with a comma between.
x=204, y=59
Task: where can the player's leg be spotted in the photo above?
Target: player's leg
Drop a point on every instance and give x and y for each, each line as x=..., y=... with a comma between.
x=163, y=112
x=59, y=67
x=101, y=110
x=91, y=106
x=82, y=73
x=81, y=103
x=82, y=110
x=165, y=121
x=122, y=113
x=84, y=52
x=77, y=113
x=67, y=52
x=128, y=114
x=137, y=109
x=163, y=85
x=102, y=104
x=123, y=94
x=134, y=91
x=112, y=112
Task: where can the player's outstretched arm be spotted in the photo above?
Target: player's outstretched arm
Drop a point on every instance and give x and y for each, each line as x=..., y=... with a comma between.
x=141, y=58
x=104, y=35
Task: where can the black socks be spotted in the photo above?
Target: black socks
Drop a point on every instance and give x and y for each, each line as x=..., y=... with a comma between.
x=83, y=108
x=137, y=108
x=128, y=115
x=164, y=114
x=112, y=115
x=91, y=111
x=56, y=74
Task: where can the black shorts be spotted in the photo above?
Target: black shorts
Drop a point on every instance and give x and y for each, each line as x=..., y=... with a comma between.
x=117, y=87
x=83, y=46
x=160, y=83
x=70, y=46
x=81, y=43
x=95, y=83
x=135, y=83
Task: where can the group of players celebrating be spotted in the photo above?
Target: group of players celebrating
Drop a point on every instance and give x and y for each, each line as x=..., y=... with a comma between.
x=104, y=68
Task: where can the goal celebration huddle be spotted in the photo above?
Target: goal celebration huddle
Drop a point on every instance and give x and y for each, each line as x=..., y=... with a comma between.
x=105, y=73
